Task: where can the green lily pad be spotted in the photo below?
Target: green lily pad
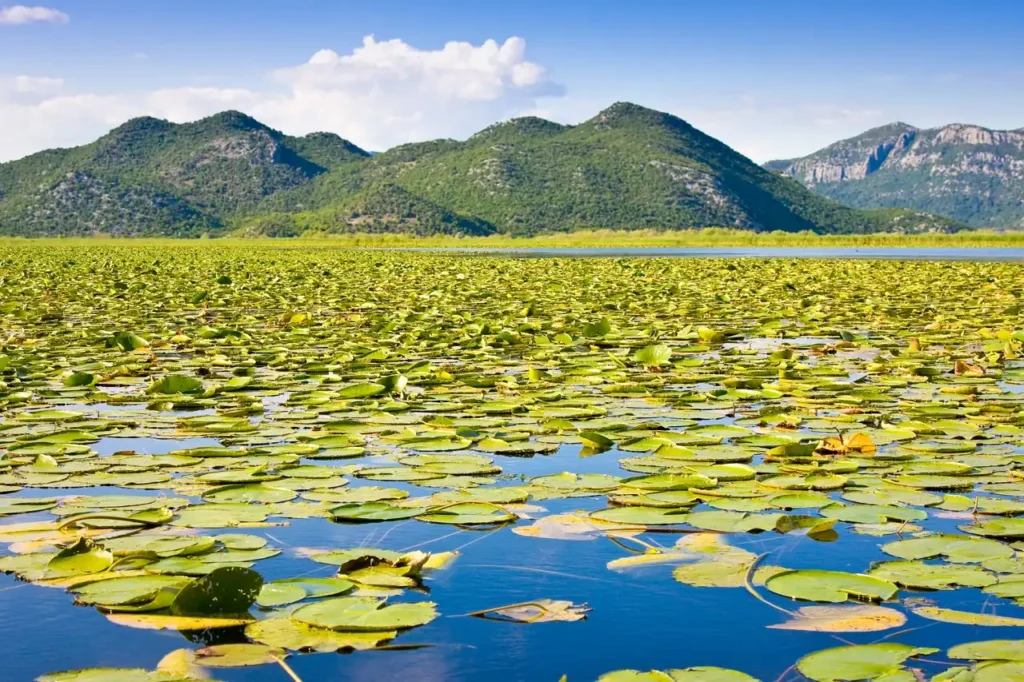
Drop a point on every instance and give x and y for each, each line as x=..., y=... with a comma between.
x=830, y=586
x=288, y=633
x=364, y=614
x=225, y=591
x=861, y=662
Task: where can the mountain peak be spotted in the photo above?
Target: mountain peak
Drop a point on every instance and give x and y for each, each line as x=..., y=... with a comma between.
x=522, y=126
x=141, y=125
x=230, y=120
x=893, y=127
x=626, y=112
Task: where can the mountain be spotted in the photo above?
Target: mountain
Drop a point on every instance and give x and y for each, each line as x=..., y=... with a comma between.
x=972, y=174
x=628, y=167
x=150, y=176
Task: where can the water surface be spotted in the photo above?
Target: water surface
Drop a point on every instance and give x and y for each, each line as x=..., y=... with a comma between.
x=982, y=254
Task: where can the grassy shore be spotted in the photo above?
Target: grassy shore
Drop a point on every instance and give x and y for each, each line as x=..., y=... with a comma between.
x=712, y=237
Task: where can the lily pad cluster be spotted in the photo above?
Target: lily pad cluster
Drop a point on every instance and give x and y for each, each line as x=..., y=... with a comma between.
x=160, y=408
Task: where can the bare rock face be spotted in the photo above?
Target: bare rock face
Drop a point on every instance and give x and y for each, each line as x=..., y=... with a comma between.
x=853, y=159
x=968, y=172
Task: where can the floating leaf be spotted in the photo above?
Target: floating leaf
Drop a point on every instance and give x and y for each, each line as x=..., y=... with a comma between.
x=364, y=614
x=537, y=611
x=990, y=650
x=965, y=617
x=115, y=675
x=863, y=662
x=225, y=591
x=238, y=655
x=288, y=633
x=830, y=586
x=654, y=355
x=843, y=618
x=175, y=383
x=695, y=674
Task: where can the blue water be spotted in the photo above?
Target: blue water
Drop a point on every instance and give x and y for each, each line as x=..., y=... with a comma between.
x=641, y=618
x=866, y=253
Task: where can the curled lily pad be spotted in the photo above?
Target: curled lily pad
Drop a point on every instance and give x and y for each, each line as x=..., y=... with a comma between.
x=84, y=556
x=176, y=383
x=223, y=592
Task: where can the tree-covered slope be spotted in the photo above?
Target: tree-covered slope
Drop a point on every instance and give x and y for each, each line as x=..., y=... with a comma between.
x=627, y=168
x=972, y=174
x=150, y=176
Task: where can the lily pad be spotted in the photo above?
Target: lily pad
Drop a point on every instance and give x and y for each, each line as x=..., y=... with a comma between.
x=830, y=586
x=364, y=614
x=862, y=662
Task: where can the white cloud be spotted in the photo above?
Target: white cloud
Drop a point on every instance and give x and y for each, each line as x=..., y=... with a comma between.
x=381, y=94
x=22, y=14
x=29, y=85
x=387, y=92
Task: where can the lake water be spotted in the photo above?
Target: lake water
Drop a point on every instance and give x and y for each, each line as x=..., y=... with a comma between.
x=866, y=253
x=640, y=618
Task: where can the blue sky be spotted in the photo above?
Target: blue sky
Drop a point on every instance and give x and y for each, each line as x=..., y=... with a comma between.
x=771, y=78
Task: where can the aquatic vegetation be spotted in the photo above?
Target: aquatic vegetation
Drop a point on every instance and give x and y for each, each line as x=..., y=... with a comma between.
x=166, y=411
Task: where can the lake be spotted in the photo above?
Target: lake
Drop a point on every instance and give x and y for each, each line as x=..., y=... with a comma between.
x=869, y=253
x=729, y=426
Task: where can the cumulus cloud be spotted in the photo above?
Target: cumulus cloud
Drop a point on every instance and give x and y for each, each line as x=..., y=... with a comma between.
x=22, y=14
x=381, y=94
x=388, y=92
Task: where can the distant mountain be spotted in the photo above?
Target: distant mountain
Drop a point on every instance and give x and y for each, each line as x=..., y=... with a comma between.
x=972, y=174
x=628, y=167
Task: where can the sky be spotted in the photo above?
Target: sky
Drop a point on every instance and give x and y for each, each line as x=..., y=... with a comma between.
x=771, y=78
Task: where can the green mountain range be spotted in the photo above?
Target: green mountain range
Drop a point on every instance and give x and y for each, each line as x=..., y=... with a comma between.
x=972, y=174
x=627, y=168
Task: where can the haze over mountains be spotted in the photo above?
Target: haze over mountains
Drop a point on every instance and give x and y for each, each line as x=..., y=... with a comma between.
x=628, y=167
x=970, y=173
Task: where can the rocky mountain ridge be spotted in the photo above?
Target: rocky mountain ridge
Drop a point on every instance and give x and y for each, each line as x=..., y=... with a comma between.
x=968, y=172
x=628, y=167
